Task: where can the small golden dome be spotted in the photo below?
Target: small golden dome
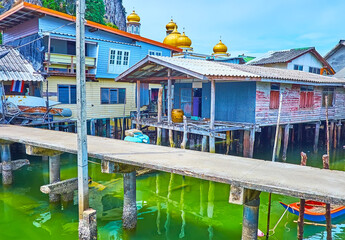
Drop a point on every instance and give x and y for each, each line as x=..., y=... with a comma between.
x=133, y=17
x=171, y=39
x=183, y=41
x=171, y=26
x=220, y=48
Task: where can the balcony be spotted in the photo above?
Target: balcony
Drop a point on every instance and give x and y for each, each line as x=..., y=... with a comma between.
x=64, y=64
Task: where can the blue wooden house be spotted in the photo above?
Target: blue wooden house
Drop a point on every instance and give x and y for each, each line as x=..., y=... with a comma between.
x=47, y=39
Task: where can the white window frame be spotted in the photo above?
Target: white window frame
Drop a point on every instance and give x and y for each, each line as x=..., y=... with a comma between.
x=155, y=53
x=118, y=68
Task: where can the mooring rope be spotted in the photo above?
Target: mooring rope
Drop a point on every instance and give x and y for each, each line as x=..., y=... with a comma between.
x=273, y=230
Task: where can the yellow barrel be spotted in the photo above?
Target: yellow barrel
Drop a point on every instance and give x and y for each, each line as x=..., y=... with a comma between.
x=177, y=115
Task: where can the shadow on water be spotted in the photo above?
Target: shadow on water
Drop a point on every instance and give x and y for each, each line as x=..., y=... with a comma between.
x=169, y=206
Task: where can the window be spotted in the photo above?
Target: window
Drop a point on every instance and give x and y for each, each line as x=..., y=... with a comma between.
x=118, y=61
x=186, y=101
x=306, y=97
x=113, y=95
x=67, y=94
x=274, y=96
x=298, y=67
x=314, y=70
x=328, y=91
x=155, y=53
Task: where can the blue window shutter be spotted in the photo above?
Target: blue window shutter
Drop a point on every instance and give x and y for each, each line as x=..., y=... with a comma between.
x=73, y=90
x=104, y=95
x=63, y=94
x=122, y=95
x=113, y=96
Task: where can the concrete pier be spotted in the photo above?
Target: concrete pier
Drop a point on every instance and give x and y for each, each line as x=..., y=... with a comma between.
x=54, y=175
x=129, y=215
x=250, y=220
x=6, y=164
x=88, y=225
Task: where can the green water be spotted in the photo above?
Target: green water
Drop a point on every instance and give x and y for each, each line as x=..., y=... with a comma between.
x=169, y=206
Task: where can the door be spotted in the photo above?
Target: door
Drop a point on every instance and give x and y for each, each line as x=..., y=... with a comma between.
x=186, y=101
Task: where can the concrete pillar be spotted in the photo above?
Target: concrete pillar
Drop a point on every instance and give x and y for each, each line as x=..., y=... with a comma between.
x=6, y=164
x=250, y=220
x=129, y=215
x=88, y=225
x=54, y=175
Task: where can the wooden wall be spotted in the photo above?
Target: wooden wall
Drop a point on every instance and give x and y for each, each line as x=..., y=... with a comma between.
x=93, y=104
x=291, y=112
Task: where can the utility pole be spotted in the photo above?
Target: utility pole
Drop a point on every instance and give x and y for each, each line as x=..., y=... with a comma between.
x=87, y=217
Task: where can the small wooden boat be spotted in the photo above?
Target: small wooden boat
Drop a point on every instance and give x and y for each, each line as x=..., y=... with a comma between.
x=315, y=211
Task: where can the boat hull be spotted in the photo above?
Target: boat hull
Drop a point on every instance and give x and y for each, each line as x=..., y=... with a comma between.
x=315, y=217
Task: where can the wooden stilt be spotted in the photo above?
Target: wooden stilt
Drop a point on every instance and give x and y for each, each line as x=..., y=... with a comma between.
x=339, y=132
x=159, y=116
x=107, y=127
x=171, y=138
x=293, y=134
x=335, y=136
x=286, y=140
x=231, y=140
x=138, y=104
x=212, y=116
x=325, y=160
x=228, y=142
x=302, y=204
x=251, y=143
x=331, y=131
x=300, y=132
x=279, y=143
x=185, y=133
x=246, y=135
x=316, y=136
x=204, y=144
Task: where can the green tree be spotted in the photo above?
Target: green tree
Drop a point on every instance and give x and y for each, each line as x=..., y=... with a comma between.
x=95, y=9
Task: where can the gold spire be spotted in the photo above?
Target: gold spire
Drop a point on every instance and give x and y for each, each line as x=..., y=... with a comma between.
x=220, y=48
x=133, y=17
x=171, y=39
x=183, y=41
x=171, y=25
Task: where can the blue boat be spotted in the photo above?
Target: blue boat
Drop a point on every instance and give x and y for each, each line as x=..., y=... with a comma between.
x=138, y=137
x=314, y=210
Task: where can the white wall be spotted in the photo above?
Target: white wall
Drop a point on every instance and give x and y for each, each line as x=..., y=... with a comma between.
x=307, y=60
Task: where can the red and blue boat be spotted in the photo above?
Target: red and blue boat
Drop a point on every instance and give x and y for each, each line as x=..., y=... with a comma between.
x=315, y=211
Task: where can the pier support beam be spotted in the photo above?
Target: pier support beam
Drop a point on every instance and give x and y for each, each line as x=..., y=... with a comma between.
x=7, y=177
x=248, y=143
x=279, y=142
x=54, y=175
x=286, y=140
x=88, y=225
x=250, y=219
x=129, y=215
x=138, y=104
x=159, y=116
x=316, y=137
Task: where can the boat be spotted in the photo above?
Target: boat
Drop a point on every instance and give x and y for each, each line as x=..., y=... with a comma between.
x=135, y=135
x=315, y=211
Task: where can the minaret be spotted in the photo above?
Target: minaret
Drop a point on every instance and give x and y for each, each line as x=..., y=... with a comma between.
x=133, y=23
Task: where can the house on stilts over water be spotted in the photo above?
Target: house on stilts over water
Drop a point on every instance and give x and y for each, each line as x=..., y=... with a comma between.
x=221, y=99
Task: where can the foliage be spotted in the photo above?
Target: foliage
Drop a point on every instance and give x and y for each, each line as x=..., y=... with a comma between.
x=109, y=24
x=94, y=11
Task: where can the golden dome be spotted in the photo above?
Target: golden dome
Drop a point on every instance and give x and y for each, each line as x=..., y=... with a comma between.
x=171, y=26
x=133, y=17
x=171, y=39
x=183, y=41
x=220, y=48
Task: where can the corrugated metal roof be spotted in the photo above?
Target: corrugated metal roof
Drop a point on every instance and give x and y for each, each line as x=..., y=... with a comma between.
x=282, y=56
x=14, y=66
x=204, y=70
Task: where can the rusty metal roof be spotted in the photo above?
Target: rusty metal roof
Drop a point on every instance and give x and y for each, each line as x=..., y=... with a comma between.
x=153, y=68
x=13, y=66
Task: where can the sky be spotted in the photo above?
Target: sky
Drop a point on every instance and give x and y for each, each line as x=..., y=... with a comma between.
x=252, y=27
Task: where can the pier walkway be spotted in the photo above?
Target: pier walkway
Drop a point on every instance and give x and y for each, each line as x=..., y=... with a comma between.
x=280, y=178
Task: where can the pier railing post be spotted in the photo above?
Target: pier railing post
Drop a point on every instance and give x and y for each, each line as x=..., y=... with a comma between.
x=129, y=215
x=7, y=178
